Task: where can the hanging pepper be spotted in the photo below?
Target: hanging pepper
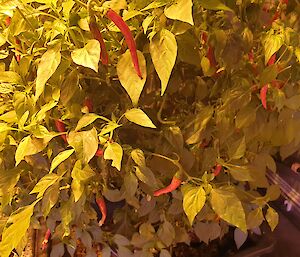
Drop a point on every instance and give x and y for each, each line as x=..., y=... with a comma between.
x=272, y=59
x=60, y=126
x=102, y=207
x=120, y=23
x=98, y=36
x=46, y=239
x=99, y=152
x=217, y=170
x=175, y=183
x=263, y=96
x=7, y=21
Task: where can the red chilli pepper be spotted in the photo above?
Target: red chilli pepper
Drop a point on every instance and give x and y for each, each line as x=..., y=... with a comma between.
x=98, y=36
x=46, y=239
x=120, y=23
x=263, y=96
x=217, y=170
x=211, y=57
x=60, y=126
x=89, y=104
x=102, y=206
x=99, y=153
x=7, y=21
x=272, y=59
x=175, y=183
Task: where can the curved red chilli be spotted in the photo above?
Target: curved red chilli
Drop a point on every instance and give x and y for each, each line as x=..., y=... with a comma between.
x=263, y=96
x=7, y=21
x=120, y=23
x=217, y=169
x=60, y=126
x=175, y=183
x=211, y=57
x=102, y=206
x=204, y=37
x=89, y=104
x=98, y=36
x=46, y=239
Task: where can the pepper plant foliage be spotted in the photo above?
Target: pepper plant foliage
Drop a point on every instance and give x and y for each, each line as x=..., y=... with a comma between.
x=196, y=106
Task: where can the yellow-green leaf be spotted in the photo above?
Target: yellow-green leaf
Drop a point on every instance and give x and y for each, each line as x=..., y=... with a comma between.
x=214, y=5
x=180, y=10
x=88, y=56
x=163, y=50
x=62, y=156
x=194, y=198
x=137, y=116
x=229, y=207
x=44, y=183
x=114, y=152
x=272, y=44
x=47, y=66
x=272, y=218
x=130, y=81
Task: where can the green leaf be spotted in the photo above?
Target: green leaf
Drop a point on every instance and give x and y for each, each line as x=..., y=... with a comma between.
x=293, y=102
x=131, y=184
x=146, y=23
x=272, y=218
x=130, y=81
x=180, y=10
x=28, y=146
x=137, y=116
x=47, y=66
x=245, y=117
x=272, y=44
x=50, y=198
x=138, y=157
x=229, y=207
x=85, y=143
x=69, y=87
x=155, y=4
x=164, y=253
x=240, y=173
x=237, y=149
x=88, y=56
x=86, y=120
x=44, y=183
x=12, y=235
x=194, y=198
x=114, y=152
x=214, y=5
x=10, y=77
x=255, y=218
x=166, y=233
x=62, y=156
x=297, y=53
x=146, y=175
x=207, y=231
x=268, y=74
x=163, y=50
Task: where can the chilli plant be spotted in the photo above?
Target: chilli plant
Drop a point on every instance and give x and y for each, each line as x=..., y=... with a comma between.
x=174, y=108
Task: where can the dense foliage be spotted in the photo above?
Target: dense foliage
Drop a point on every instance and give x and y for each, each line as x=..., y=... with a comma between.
x=208, y=99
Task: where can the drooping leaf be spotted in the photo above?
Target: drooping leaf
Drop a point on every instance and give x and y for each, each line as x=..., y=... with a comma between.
x=50, y=198
x=138, y=157
x=47, y=66
x=85, y=143
x=114, y=152
x=229, y=207
x=214, y=5
x=237, y=149
x=88, y=56
x=130, y=81
x=272, y=44
x=180, y=10
x=62, y=156
x=193, y=200
x=13, y=234
x=255, y=218
x=137, y=116
x=44, y=183
x=272, y=218
x=240, y=237
x=146, y=175
x=163, y=50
